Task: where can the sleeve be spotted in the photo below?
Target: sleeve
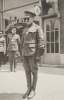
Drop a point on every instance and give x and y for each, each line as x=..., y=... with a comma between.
x=21, y=41
x=4, y=45
x=7, y=40
x=22, y=37
x=40, y=41
x=18, y=43
x=40, y=37
x=18, y=39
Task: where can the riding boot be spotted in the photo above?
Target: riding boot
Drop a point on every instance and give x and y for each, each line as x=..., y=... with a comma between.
x=28, y=77
x=32, y=93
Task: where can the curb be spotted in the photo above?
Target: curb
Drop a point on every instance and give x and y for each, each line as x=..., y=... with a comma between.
x=51, y=66
x=42, y=65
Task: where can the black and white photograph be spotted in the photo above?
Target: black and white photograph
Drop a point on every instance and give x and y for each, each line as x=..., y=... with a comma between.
x=31, y=49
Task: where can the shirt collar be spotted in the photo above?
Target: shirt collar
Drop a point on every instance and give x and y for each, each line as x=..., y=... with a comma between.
x=31, y=24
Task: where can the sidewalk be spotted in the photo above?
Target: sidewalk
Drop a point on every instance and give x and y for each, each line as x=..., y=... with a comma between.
x=50, y=85
x=46, y=69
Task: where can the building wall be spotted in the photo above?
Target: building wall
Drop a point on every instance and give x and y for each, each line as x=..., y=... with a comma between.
x=52, y=58
x=61, y=9
x=1, y=7
x=15, y=3
x=16, y=12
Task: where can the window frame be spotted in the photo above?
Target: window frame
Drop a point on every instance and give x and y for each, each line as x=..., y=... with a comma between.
x=50, y=36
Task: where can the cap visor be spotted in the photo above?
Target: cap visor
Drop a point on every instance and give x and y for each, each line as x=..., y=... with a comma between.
x=26, y=16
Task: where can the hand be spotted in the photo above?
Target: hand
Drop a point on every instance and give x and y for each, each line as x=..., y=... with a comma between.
x=37, y=58
x=41, y=51
x=18, y=54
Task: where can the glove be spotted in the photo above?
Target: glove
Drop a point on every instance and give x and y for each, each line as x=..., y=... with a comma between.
x=37, y=58
x=41, y=51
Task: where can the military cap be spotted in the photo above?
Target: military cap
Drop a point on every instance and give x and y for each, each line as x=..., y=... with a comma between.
x=30, y=13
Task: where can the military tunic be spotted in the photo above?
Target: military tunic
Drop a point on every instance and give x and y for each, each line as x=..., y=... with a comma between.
x=32, y=40
x=13, y=41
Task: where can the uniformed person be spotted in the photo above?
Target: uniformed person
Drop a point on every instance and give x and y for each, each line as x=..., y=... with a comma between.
x=2, y=47
x=13, y=42
x=32, y=42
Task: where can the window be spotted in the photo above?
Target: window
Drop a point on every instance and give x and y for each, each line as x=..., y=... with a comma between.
x=52, y=36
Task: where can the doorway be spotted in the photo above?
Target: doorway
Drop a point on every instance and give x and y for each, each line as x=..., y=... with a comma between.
x=52, y=41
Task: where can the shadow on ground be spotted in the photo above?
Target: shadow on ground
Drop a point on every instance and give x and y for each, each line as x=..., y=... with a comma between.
x=11, y=96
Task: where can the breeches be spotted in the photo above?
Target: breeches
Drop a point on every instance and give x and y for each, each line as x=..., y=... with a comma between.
x=30, y=67
x=1, y=57
x=12, y=58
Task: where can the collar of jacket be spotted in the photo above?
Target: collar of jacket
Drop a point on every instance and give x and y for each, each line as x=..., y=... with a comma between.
x=31, y=24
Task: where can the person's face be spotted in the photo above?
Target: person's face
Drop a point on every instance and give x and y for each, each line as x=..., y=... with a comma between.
x=29, y=20
x=13, y=30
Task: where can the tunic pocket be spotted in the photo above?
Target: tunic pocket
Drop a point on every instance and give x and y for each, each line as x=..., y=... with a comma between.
x=32, y=48
x=32, y=45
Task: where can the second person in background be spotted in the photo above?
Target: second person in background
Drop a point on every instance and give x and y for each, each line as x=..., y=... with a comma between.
x=13, y=43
